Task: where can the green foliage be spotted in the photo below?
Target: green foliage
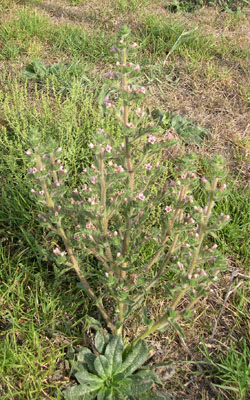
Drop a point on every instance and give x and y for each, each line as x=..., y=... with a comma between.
x=113, y=373
x=230, y=371
x=188, y=131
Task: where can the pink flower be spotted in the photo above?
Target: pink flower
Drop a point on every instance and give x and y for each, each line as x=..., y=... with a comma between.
x=133, y=45
x=75, y=191
x=118, y=255
x=108, y=148
x=142, y=90
x=148, y=167
x=151, y=124
x=168, y=209
x=91, y=145
x=151, y=139
x=100, y=130
x=72, y=201
x=120, y=168
x=111, y=163
x=204, y=179
x=33, y=191
x=59, y=150
x=28, y=152
x=223, y=187
x=137, y=67
x=56, y=251
x=130, y=125
x=59, y=208
x=93, y=180
x=134, y=278
x=57, y=161
x=118, y=64
x=57, y=184
x=84, y=187
x=180, y=265
x=62, y=170
x=141, y=196
x=113, y=49
x=41, y=192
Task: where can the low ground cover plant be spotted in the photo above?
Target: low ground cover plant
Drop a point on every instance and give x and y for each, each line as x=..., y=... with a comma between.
x=106, y=217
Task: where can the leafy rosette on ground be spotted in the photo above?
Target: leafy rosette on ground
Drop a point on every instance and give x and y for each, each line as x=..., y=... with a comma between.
x=112, y=372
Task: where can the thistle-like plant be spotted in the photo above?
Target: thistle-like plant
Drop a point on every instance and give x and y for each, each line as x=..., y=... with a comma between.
x=107, y=215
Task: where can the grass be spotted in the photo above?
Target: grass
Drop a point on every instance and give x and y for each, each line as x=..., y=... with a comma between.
x=42, y=310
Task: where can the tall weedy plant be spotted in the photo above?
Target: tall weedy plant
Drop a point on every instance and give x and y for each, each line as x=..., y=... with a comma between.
x=106, y=217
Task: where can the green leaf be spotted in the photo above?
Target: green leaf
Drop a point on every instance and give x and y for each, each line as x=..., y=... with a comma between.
x=90, y=321
x=89, y=380
x=113, y=353
x=135, y=358
x=76, y=393
x=82, y=353
x=99, y=341
x=101, y=365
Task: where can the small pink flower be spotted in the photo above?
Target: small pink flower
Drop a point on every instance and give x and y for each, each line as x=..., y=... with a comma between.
x=180, y=265
x=93, y=180
x=130, y=64
x=130, y=125
x=93, y=167
x=58, y=161
x=100, y=130
x=91, y=145
x=84, y=187
x=142, y=90
x=33, y=191
x=56, y=214
x=204, y=179
x=28, y=152
x=59, y=150
x=118, y=64
x=113, y=49
x=75, y=191
x=137, y=68
x=223, y=187
x=134, y=278
x=57, y=252
x=41, y=192
x=148, y=167
x=168, y=209
x=151, y=139
x=123, y=145
x=111, y=163
x=115, y=233
x=108, y=148
x=141, y=196
x=226, y=217
x=57, y=184
x=59, y=208
x=118, y=255
x=151, y=124
x=72, y=201
x=120, y=168
x=214, y=247
x=133, y=45
x=85, y=170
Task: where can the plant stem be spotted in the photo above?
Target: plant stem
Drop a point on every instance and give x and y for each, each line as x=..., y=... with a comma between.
x=68, y=247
